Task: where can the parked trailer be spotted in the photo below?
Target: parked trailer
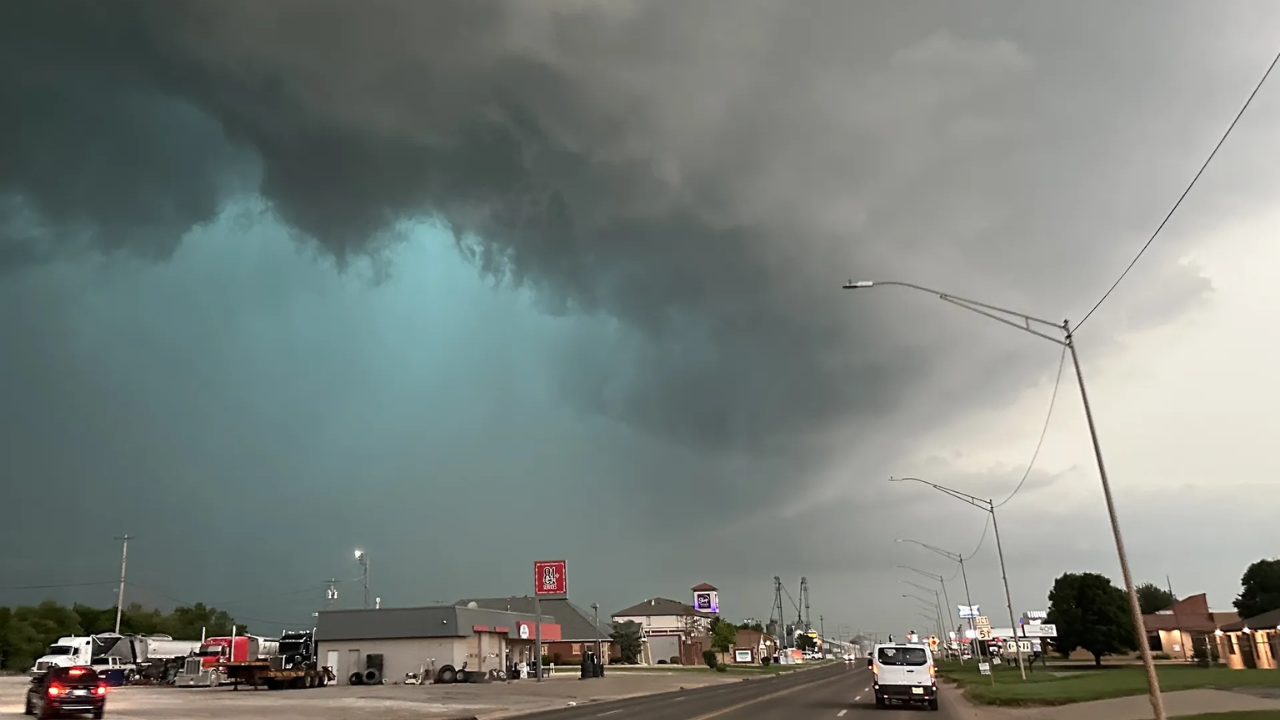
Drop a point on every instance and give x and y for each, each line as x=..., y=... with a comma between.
x=271, y=675
x=294, y=666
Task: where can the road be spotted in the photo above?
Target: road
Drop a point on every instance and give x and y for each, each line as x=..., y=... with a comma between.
x=841, y=691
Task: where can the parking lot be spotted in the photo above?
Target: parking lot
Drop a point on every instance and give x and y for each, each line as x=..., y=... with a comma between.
x=387, y=702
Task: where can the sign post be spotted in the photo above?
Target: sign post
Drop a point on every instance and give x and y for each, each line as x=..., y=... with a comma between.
x=550, y=578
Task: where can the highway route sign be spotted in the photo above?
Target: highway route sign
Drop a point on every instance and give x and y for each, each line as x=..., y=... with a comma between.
x=984, y=633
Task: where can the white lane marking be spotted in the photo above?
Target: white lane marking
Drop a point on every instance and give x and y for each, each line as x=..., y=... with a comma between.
x=608, y=713
x=856, y=698
x=841, y=713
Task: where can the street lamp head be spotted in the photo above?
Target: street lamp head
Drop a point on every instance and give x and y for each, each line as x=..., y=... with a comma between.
x=899, y=540
x=851, y=285
x=895, y=479
x=359, y=555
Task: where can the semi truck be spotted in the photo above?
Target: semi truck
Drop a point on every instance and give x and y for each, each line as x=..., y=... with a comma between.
x=117, y=658
x=293, y=665
x=203, y=669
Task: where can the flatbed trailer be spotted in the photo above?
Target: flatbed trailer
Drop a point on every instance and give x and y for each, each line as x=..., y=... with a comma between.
x=269, y=674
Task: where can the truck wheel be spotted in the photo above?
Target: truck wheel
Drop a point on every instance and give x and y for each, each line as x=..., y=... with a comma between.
x=446, y=675
x=372, y=677
x=214, y=679
x=355, y=679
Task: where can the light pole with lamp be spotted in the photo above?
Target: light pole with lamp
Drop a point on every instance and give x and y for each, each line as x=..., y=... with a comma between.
x=363, y=559
x=957, y=558
x=988, y=506
x=937, y=603
x=932, y=620
x=595, y=609
x=1065, y=340
x=943, y=582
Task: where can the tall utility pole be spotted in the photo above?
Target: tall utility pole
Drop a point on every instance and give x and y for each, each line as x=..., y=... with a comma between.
x=331, y=595
x=988, y=506
x=778, y=611
x=124, y=560
x=958, y=558
x=1063, y=337
x=363, y=558
x=822, y=632
x=595, y=609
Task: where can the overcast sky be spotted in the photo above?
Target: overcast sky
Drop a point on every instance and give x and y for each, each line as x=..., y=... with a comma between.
x=471, y=284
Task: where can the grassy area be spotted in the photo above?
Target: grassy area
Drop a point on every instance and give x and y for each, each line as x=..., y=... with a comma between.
x=1062, y=686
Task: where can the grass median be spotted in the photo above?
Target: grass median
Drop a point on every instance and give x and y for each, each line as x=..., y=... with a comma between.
x=1063, y=685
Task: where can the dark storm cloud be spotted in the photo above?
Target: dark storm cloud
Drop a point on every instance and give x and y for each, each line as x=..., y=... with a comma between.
x=704, y=172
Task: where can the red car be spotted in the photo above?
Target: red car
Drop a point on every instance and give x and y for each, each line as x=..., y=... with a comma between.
x=67, y=690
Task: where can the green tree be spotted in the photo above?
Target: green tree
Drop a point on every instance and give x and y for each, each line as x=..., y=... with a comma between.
x=27, y=631
x=1152, y=598
x=724, y=635
x=627, y=637
x=1260, y=589
x=750, y=624
x=1091, y=613
x=804, y=642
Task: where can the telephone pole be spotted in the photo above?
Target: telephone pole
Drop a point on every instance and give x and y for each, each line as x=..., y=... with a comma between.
x=124, y=560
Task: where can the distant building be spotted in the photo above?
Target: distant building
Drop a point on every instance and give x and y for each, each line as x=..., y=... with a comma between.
x=1251, y=643
x=1187, y=625
x=578, y=631
x=670, y=630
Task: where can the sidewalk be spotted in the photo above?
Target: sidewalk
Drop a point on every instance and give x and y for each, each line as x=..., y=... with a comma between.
x=1137, y=707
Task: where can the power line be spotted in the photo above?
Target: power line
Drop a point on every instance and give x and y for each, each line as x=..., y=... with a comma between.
x=1062, y=361
x=1184, y=194
x=59, y=586
x=985, y=527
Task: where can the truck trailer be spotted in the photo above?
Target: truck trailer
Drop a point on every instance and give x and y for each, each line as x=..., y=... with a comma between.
x=294, y=665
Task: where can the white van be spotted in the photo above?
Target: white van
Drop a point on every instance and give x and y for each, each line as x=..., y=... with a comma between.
x=904, y=673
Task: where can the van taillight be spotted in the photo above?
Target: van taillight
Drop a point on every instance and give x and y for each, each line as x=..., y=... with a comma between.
x=55, y=690
x=875, y=669
x=100, y=690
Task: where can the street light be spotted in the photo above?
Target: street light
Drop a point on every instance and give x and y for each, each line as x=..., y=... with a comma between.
x=958, y=558
x=937, y=602
x=937, y=612
x=943, y=582
x=988, y=506
x=1066, y=340
x=363, y=559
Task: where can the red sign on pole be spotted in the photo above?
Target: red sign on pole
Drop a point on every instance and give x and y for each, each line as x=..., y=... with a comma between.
x=550, y=577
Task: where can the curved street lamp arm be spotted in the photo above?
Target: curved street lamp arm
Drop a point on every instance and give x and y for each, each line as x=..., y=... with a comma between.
x=995, y=312
x=984, y=505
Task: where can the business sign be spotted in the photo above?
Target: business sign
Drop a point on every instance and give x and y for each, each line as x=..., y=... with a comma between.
x=1035, y=615
x=969, y=611
x=742, y=656
x=1043, y=630
x=707, y=601
x=1023, y=645
x=550, y=577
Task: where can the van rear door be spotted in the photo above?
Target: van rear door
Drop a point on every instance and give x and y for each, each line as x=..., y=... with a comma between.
x=904, y=665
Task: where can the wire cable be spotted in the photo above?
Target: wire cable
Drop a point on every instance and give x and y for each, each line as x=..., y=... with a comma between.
x=985, y=527
x=1062, y=362
x=1182, y=197
x=59, y=586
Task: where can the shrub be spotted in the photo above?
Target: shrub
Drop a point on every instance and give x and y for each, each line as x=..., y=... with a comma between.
x=709, y=657
x=766, y=661
x=1162, y=656
x=722, y=668
x=675, y=660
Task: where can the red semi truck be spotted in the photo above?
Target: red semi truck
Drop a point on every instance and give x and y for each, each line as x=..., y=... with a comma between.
x=206, y=667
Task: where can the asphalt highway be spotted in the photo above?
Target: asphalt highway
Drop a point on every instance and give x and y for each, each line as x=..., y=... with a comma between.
x=826, y=693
